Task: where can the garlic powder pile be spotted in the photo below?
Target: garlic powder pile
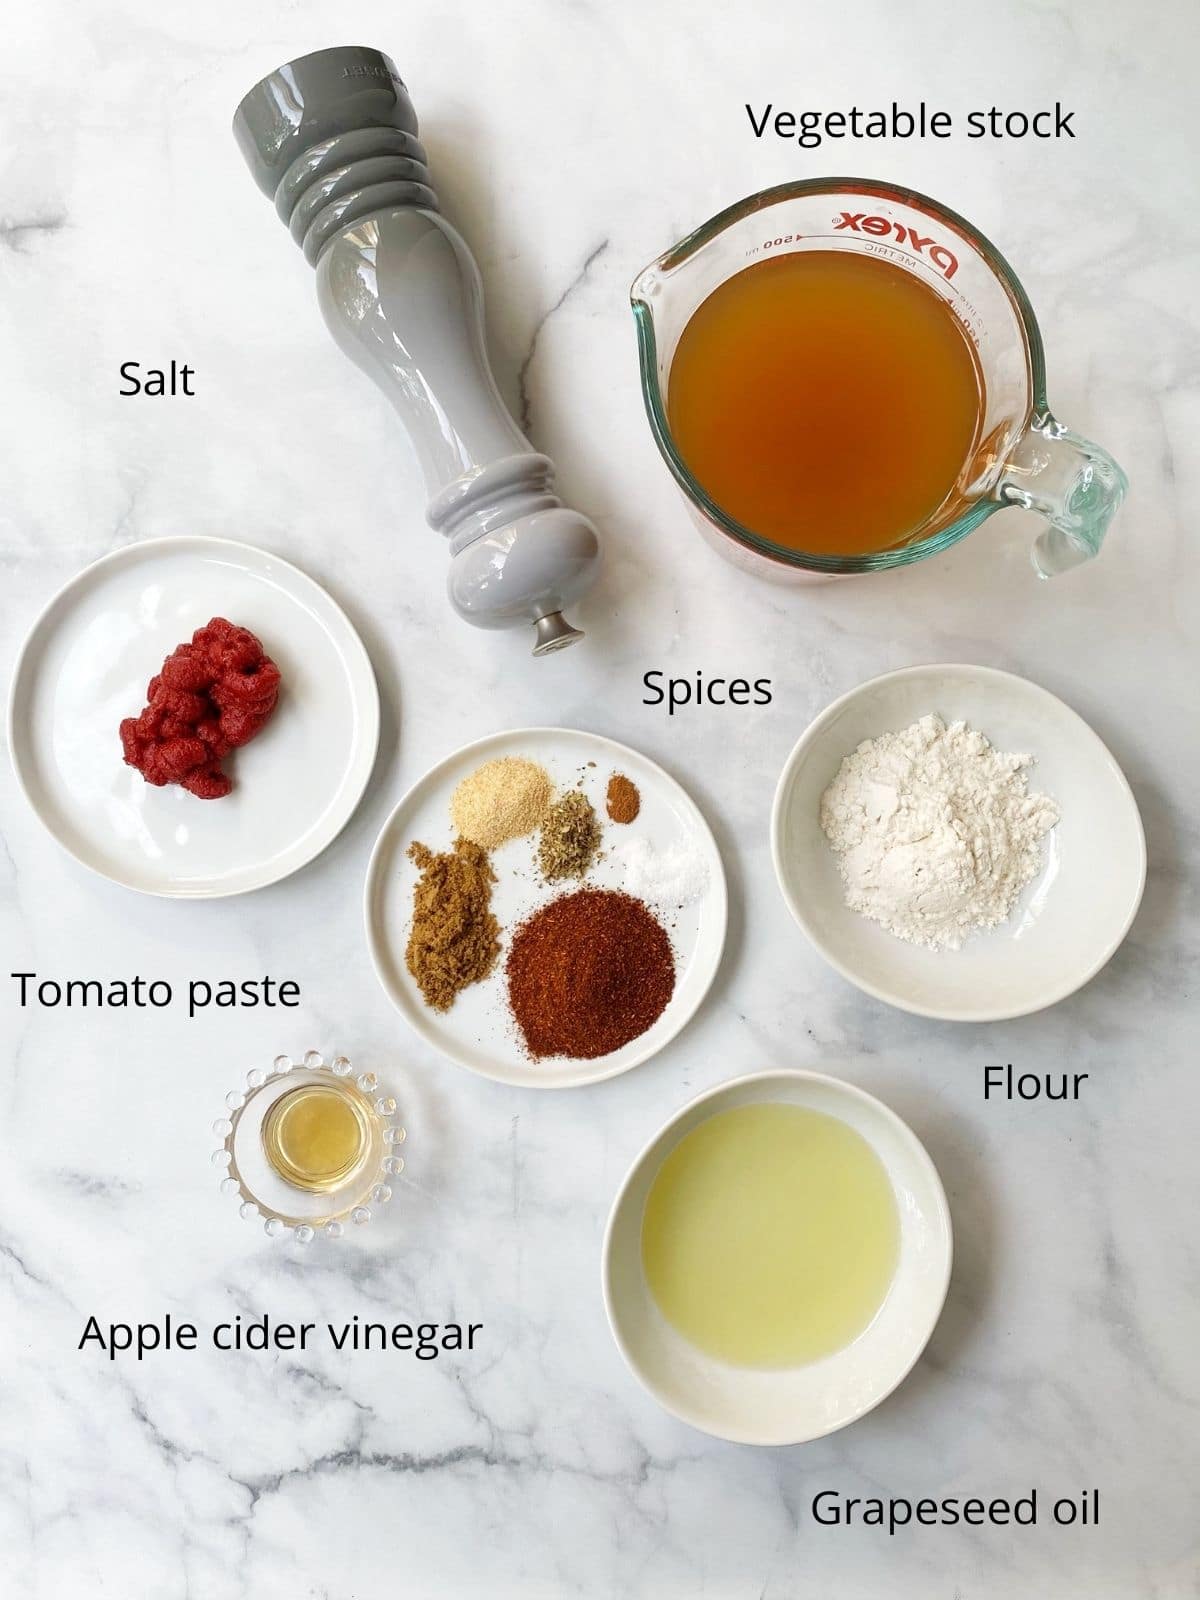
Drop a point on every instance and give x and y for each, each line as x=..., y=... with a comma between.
x=501, y=800
x=934, y=831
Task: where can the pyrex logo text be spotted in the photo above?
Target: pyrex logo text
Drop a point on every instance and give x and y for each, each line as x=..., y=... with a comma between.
x=858, y=222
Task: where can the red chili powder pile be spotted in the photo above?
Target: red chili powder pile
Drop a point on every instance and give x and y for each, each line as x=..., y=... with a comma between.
x=587, y=973
x=212, y=696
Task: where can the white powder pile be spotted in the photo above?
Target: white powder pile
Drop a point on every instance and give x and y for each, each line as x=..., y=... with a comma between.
x=671, y=877
x=934, y=831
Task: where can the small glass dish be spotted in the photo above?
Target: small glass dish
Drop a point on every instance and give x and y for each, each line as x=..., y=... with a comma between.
x=258, y=1158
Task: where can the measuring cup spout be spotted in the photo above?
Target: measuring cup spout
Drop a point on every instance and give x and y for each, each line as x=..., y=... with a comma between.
x=1074, y=484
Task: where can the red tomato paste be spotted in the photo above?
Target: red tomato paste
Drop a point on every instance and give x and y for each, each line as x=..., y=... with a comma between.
x=212, y=695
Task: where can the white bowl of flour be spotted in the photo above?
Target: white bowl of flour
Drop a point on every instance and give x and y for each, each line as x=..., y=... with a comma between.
x=958, y=842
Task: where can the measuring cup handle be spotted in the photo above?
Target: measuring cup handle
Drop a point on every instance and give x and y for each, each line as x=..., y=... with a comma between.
x=1074, y=484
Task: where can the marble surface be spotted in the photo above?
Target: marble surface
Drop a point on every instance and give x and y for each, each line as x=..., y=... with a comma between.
x=572, y=144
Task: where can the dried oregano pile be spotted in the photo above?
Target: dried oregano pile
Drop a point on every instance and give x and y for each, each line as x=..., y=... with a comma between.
x=570, y=839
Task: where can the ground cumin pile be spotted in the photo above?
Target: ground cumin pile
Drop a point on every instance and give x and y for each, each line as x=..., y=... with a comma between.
x=455, y=939
x=588, y=973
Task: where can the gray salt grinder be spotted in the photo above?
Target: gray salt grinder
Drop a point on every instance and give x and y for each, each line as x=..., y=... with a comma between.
x=332, y=138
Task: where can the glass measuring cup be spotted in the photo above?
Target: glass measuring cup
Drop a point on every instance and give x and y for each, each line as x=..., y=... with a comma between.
x=1023, y=455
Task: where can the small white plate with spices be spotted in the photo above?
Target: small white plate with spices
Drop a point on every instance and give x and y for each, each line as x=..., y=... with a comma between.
x=479, y=1031
x=1066, y=924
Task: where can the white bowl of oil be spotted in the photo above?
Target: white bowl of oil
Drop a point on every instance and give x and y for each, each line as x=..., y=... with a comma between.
x=777, y=1258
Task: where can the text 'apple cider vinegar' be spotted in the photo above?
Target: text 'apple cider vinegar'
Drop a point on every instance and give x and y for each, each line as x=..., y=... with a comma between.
x=828, y=402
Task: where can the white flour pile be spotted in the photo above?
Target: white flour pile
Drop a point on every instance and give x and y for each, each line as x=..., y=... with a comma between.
x=935, y=833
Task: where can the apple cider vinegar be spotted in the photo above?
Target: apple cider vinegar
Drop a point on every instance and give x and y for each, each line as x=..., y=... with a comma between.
x=317, y=1136
x=770, y=1235
x=828, y=402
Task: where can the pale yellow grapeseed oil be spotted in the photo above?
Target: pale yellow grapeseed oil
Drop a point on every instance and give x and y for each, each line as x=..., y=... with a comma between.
x=770, y=1235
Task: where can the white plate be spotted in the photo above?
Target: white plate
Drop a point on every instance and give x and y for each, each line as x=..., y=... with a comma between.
x=478, y=1031
x=86, y=665
x=1066, y=924
x=793, y=1404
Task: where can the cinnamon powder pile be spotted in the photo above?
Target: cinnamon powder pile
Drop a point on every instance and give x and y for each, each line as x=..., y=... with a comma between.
x=622, y=801
x=588, y=973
